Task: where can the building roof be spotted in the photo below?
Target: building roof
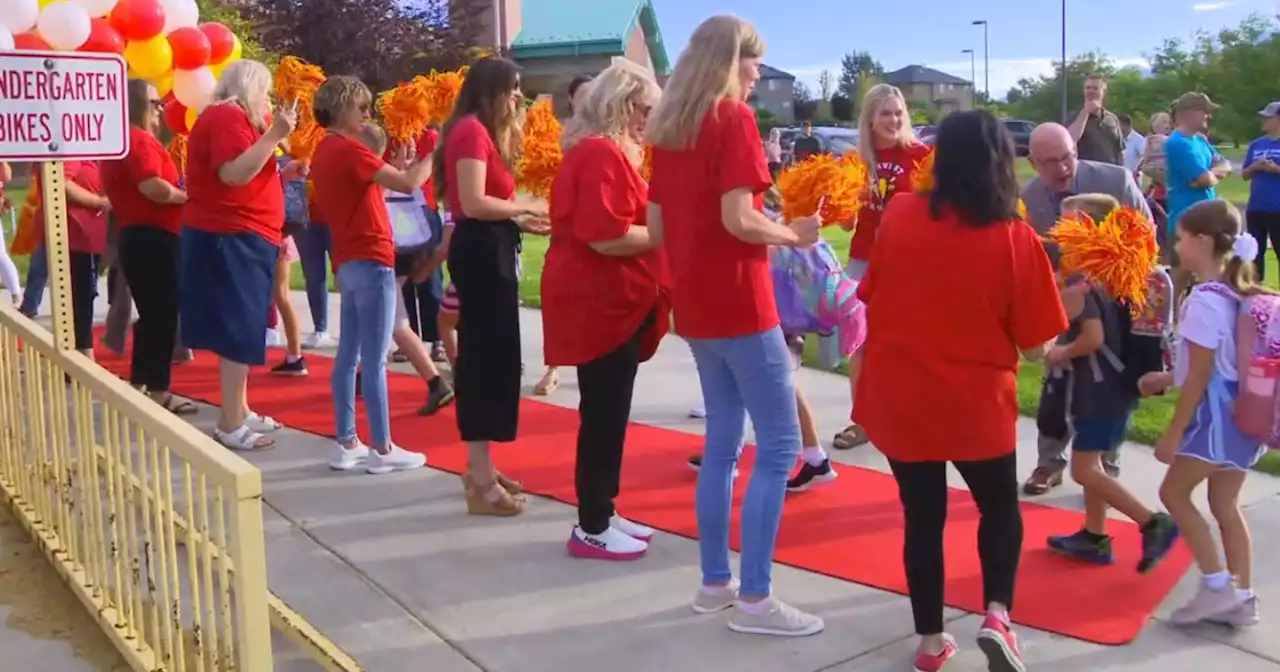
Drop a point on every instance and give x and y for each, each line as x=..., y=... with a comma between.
x=919, y=74
x=560, y=28
x=767, y=72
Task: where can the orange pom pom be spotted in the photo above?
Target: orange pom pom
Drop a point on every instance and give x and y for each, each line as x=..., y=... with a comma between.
x=178, y=152
x=1119, y=252
x=27, y=236
x=442, y=90
x=922, y=176
x=839, y=184
x=297, y=80
x=540, y=155
x=406, y=109
x=646, y=166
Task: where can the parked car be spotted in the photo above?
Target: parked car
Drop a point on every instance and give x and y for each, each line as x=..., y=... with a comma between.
x=1020, y=132
x=836, y=140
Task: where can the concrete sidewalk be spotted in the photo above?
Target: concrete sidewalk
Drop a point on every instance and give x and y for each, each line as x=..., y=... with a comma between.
x=393, y=569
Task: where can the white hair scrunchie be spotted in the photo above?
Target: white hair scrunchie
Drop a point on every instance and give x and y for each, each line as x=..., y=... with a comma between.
x=1245, y=247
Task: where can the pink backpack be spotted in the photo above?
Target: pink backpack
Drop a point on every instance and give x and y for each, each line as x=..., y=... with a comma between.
x=1258, y=363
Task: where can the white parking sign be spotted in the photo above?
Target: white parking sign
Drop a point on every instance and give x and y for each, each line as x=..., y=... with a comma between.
x=63, y=106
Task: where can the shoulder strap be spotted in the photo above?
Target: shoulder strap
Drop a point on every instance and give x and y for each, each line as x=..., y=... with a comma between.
x=1219, y=288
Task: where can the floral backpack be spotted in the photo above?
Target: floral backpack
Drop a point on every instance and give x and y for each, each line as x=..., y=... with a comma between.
x=1258, y=362
x=814, y=295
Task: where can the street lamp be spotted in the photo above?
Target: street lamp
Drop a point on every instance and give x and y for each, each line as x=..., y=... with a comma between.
x=986, y=56
x=973, y=78
x=1064, y=61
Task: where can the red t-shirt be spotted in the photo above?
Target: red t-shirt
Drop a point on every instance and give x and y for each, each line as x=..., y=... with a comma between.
x=948, y=308
x=592, y=303
x=86, y=227
x=147, y=159
x=351, y=203
x=721, y=285
x=221, y=134
x=894, y=167
x=425, y=145
x=468, y=139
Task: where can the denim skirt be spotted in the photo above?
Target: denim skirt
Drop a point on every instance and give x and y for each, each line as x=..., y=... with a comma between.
x=224, y=293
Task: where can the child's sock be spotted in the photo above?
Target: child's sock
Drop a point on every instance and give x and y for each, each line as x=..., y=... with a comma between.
x=814, y=456
x=1217, y=580
x=1244, y=594
x=292, y=358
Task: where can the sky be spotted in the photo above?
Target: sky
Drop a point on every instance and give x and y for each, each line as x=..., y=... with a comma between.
x=805, y=37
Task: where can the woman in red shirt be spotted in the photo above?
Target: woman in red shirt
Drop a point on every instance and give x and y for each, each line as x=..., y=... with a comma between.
x=604, y=294
x=709, y=174
x=348, y=178
x=939, y=368
x=147, y=205
x=231, y=231
x=888, y=145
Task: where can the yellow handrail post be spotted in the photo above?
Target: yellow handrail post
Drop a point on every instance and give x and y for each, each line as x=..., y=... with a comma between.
x=53, y=196
x=253, y=622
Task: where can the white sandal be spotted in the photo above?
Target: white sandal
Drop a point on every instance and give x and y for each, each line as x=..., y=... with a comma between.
x=244, y=439
x=263, y=423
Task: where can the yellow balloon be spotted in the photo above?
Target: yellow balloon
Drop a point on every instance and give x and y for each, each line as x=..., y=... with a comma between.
x=237, y=50
x=150, y=59
x=217, y=70
x=191, y=118
x=164, y=83
x=46, y=3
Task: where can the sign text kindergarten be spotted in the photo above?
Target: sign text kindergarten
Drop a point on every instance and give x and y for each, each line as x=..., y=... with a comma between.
x=63, y=106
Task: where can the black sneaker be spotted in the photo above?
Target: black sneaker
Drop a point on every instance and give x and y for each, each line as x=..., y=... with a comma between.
x=438, y=354
x=438, y=396
x=809, y=476
x=294, y=369
x=695, y=463
x=1158, y=536
x=1085, y=546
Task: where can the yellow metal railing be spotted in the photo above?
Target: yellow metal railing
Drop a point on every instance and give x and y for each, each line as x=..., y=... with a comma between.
x=156, y=528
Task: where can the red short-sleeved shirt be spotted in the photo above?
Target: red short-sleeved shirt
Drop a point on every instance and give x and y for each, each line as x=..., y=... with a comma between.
x=86, y=227
x=894, y=168
x=351, y=203
x=593, y=303
x=468, y=139
x=948, y=308
x=721, y=287
x=147, y=159
x=221, y=134
x=426, y=144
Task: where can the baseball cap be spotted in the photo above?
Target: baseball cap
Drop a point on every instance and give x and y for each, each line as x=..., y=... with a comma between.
x=1194, y=100
x=1272, y=110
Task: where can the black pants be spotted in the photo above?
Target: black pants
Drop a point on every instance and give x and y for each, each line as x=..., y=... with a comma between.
x=1263, y=225
x=605, y=386
x=486, y=375
x=149, y=261
x=84, y=289
x=423, y=307
x=922, y=488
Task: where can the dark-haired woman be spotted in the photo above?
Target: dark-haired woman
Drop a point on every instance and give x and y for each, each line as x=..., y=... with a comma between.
x=474, y=169
x=1001, y=300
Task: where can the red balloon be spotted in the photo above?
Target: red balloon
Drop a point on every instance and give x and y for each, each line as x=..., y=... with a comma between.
x=138, y=20
x=190, y=48
x=30, y=42
x=103, y=39
x=221, y=41
x=175, y=117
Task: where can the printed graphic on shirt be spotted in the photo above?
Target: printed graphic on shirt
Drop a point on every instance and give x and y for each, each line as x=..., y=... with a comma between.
x=887, y=174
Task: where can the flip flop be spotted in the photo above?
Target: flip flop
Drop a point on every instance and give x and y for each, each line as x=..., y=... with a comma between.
x=851, y=437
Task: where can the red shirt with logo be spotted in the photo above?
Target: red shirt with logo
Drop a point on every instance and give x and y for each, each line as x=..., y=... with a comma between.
x=894, y=167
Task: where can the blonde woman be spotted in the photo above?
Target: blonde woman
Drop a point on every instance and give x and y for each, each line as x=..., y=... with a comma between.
x=708, y=168
x=231, y=234
x=1152, y=162
x=605, y=301
x=888, y=145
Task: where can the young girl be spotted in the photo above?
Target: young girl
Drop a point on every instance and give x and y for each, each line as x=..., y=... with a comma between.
x=1203, y=442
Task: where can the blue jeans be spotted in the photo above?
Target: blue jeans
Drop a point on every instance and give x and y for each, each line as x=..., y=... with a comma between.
x=741, y=376
x=314, y=243
x=37, y=278
x=368, y=291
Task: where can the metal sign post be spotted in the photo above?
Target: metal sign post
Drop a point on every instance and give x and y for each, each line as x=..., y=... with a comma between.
x=57, y=107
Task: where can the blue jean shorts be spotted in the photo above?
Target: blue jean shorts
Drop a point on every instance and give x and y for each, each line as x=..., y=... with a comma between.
x=1099, y=435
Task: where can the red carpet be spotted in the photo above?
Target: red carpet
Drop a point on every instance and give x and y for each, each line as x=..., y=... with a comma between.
x=849, y=529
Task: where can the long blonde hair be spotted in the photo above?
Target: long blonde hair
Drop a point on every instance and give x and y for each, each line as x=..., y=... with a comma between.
x=607, y=106
x=246, y=84
x=875, y=99
x=705, y=73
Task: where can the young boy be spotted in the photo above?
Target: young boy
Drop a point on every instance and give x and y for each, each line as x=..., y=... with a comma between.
x=1098, y=404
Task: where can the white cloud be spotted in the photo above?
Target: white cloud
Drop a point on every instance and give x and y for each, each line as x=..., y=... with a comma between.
x=1211, y=6
x=1005, y=73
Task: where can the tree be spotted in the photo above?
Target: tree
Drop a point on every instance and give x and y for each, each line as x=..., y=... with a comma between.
x=229, y=16
x=841, y=107
x=855, y=68
x=802, y=102
x=824, y=85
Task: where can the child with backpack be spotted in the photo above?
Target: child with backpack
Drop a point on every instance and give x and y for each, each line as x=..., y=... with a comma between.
x=1225, y=320
x=1087, y=385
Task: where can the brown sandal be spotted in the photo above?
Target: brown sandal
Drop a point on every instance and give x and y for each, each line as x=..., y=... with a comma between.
x=852, y=437
x=510, y=485
x=506, y=505
x=550, y=381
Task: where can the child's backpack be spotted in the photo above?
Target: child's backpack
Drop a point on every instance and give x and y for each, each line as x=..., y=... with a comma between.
x=411, y=229
x=297, y=210
x=814, y=295
x=1146, y=347
x=1257, y=362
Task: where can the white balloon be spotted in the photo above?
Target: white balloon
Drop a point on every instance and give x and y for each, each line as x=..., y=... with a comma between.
x=19, y=16
x=6, y=40
x=64, y=25
x=97, y=8
x=180, y=14
x=194, y=88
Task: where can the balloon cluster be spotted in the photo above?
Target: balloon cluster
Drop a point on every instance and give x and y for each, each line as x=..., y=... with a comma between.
x=163, y=42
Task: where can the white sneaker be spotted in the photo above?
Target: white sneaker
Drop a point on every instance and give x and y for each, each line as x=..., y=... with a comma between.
x=699, y=412
x=611, y=544
x=634, y=530
x=319, y=339
x=273, y=338
x=774, y=618
x=397, y=459
x=342, y=458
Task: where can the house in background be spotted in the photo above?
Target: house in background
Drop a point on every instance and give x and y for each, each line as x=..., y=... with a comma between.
x=557, y=40
x=775, y=94
x=927, y=86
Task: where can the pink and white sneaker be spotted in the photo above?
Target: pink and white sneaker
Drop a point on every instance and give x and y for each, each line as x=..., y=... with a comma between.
x=1000, y=645
x=612, y=544
x=631, y=529
x=932, y=662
